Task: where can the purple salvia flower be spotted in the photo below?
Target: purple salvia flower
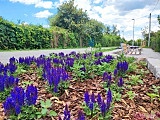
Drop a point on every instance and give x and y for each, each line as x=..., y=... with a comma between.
x=12, y=68
x=83, y=68
x=118, y=65
x=16, y=81
x=84, y=56
x=66, y=113
x=98, y=62
x=115, y=72
x=105, y=76
x=31, y=95
x=81, y=115
x=73, y=53
x=125, y=66
x=55, y=89
x=120, y=82
x=17, y=109
x=109, y=97
x=9, y=106
x=100, y=54
x=93, y=98
x=103, y=109
x=96, y=55
x=61, y=54
x=1, y=83
x=99, y=99
x=11, y=81
x=12, y=60
x=91, y=107
x=109, y=78
x=17, y=94
x=21, y=60
x=86, y=98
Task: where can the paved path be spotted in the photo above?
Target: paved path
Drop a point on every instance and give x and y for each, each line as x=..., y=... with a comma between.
x=4, y=56
x=152, y=58
x=147, y=53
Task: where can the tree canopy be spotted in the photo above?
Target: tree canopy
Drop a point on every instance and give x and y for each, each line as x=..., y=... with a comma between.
x=77, y=21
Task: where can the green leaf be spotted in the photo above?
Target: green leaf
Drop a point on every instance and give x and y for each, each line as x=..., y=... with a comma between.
x=48, y=103
x=44, y=111
x=42, y=103
x=39, y=116
x=152, y=95
x=52, y=113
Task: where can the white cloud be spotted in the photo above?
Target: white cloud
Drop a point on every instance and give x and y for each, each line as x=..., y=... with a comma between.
x=46, y=26
x=112, y=13
x=25, y=15
x=28, y=2
x=109, y=12
x=43, y=14
x=44, y=4
x=37, y=3
x=97, y=1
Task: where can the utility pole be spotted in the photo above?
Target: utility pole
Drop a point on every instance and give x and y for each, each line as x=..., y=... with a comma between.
x=133, y=32
x=149, y=35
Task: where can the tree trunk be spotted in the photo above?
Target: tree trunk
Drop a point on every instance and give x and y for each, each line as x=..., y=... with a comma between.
x=81, y=42
x=56, y=37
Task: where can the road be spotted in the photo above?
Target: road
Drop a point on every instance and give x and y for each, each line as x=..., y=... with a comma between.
x=6, y=55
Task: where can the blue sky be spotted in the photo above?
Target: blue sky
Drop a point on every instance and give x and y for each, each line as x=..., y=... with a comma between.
x=117, y=12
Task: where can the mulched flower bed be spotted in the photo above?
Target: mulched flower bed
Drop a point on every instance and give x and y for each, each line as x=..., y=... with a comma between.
x=126, y=109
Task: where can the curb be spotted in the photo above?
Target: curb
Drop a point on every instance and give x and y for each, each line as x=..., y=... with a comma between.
x=154, y=66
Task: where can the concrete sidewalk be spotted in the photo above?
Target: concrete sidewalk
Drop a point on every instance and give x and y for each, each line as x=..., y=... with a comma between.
x=152, y=59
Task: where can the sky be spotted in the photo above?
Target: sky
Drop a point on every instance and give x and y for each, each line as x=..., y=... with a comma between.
x=126, y=14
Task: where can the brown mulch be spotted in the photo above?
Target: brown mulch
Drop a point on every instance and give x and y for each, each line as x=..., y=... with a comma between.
x=74, y=97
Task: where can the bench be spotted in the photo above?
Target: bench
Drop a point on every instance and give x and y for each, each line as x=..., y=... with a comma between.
x=132, y=50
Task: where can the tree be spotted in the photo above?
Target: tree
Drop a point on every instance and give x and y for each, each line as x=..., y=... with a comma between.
x=68, y=16
x=115, y=31
x=158, y=18
x=77, y=21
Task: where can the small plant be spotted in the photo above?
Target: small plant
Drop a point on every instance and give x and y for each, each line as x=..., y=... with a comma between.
x=77, y=72
x=121, y=57
x=143, y=63
x=132, y=67
x=116, y=96
x=20, y=69
x=131, y=95
x=27, y=112
x=156, y=89
x=135, y=79
x=98, y=46
x=44, y=110
x=26, y=83
x=39, y=72
x=4, y=94
x=153, y=96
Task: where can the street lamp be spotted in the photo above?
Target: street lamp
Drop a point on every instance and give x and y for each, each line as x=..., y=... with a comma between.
x=133, y=32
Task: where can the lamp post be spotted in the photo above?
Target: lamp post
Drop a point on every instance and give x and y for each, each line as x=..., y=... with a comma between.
x=123, y=33
x=133, y=32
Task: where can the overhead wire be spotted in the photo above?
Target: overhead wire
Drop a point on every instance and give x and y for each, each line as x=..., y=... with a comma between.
x=155, y=6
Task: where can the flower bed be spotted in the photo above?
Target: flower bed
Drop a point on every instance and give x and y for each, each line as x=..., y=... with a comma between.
x=78, y=87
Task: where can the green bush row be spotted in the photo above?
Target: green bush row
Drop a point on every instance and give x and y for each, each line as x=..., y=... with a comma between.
x=14, y=36
x=21, y=36
x=155, y=41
